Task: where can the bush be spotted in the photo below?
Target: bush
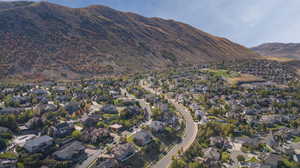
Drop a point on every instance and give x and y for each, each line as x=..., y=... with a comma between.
x=225, y=156
x=2, y=144
x=195, y=165
x=241, y=158
x=8, y=155
x=8, y=121
x=6, y=135
x=178, y=163
x=76, y=134
x=289, y=164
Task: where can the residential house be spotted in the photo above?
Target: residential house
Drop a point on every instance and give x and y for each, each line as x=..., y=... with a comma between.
x=247, y=141
x=132, y=110
x=10, y=110
x=211, y=154
x=73, y=107
x=74, y=151
x=60, y=90
x=156, y=126
x=116, y=127
x=268, y=140
x=35, y=122
x=21, y=140
x=96, y=135
x=270, y=120
x=62, y=98
x=38, y=144
x=142, y=138
x=61, y=129
x=129, y=102
x=23, y=130
x=8, y=163
x=123, y=152
x=296, y=155
x=109, y=109
x=45, y=108
x=4, y=130
x=39, y=92
x=200, y=115
x=164, y=107
x=271, y=160
x=114, y=93
x=24, y=101
x=91, y=120
x=219, y=142
x=250, y=112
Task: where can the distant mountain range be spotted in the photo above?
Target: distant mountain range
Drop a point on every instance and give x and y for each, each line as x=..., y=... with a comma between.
x=284, y=50
x=44, y=40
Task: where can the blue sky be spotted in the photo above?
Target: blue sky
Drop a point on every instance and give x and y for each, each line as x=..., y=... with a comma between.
x=248, y=22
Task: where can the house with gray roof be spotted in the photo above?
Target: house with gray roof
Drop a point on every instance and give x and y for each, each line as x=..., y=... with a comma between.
x=38, y=144
x=123, y=152
x=8, y=163
x=109, y=109
x=73, y=151
x=142, y=138
x=156, y=126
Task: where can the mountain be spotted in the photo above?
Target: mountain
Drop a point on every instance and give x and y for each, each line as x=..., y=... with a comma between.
x=284, y=50
x=45, y=40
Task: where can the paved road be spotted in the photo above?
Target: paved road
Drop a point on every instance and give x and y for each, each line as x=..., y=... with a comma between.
x=190, y=133
x=91, y=160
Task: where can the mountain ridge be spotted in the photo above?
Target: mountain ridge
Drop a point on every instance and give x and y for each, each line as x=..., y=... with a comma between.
x=52, y=41
x=276, y=49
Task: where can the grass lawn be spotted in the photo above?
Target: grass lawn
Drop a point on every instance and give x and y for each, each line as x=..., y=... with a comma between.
x=278, y=59
x=111, y=116
x=130, y=139
x=296, y=139
x=8, y=155
x=243, y=78
x=222, y=73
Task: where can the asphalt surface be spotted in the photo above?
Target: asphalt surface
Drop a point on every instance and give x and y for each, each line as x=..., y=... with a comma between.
x=190, y=133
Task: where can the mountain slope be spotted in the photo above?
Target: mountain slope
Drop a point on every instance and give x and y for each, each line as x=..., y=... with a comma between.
x=4, y=5
x=284, y=50
x=47, y=40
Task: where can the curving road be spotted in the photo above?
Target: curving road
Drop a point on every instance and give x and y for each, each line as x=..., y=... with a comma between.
x=190, y=132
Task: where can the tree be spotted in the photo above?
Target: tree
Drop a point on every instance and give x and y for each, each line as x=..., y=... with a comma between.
x=156, y=114
x=25, y=116
x=76, y=134
x=8, y=121
x=9, y=102
x=195, y=165
x=33, y=160
x=178, y=163
x=2, y=144
x=241, y=158
x=225, y=156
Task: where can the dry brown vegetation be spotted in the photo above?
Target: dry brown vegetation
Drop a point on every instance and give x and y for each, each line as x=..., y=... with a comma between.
x=42, y=37
x=243, y=78
x=278, y=59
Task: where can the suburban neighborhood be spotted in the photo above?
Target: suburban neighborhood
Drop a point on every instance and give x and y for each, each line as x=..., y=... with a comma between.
x=202, y=116
x=89, y=123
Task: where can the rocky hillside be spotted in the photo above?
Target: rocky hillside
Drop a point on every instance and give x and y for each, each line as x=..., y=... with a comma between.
x=284, y=50
x=44, y=40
